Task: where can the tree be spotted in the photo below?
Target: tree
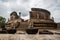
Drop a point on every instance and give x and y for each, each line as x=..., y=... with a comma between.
x=2, y=22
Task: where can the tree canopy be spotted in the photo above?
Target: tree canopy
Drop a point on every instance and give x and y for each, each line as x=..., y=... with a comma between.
x=2, y=22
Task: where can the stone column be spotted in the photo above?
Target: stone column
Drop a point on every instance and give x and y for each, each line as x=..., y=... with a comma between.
x=19, y=14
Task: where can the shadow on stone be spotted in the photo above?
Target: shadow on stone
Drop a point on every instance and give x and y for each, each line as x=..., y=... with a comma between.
x=31, y=31
x=12, y=31
x=3, y=32
x=45, y=32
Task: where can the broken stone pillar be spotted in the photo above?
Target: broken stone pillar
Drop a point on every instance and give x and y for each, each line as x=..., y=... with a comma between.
x=19, y=14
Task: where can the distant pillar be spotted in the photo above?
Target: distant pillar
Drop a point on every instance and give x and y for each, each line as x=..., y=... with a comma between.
x=19, y=14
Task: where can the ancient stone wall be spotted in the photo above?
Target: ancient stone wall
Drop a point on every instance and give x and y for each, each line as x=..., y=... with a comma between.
x=40, y=18
x=39, y=14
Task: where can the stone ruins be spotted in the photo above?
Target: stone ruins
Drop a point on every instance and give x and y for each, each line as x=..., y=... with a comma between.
x=39, y=19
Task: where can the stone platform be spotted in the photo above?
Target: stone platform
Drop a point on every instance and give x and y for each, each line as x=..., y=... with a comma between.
x=28, y=37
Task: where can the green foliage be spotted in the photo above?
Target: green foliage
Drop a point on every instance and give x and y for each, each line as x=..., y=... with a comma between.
x=2, y=21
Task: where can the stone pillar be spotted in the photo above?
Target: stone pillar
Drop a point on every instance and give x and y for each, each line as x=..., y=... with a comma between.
x=19, y=14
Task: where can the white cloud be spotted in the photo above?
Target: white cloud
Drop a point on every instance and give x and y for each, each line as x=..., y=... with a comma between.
x=24, y=6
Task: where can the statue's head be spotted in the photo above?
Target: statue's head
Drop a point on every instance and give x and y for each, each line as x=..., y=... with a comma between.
x=13, y=15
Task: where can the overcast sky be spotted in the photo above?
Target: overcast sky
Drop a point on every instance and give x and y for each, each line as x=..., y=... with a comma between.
x=24, y=6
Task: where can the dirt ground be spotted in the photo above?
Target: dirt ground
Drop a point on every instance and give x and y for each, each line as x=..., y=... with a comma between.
x=28, y=37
